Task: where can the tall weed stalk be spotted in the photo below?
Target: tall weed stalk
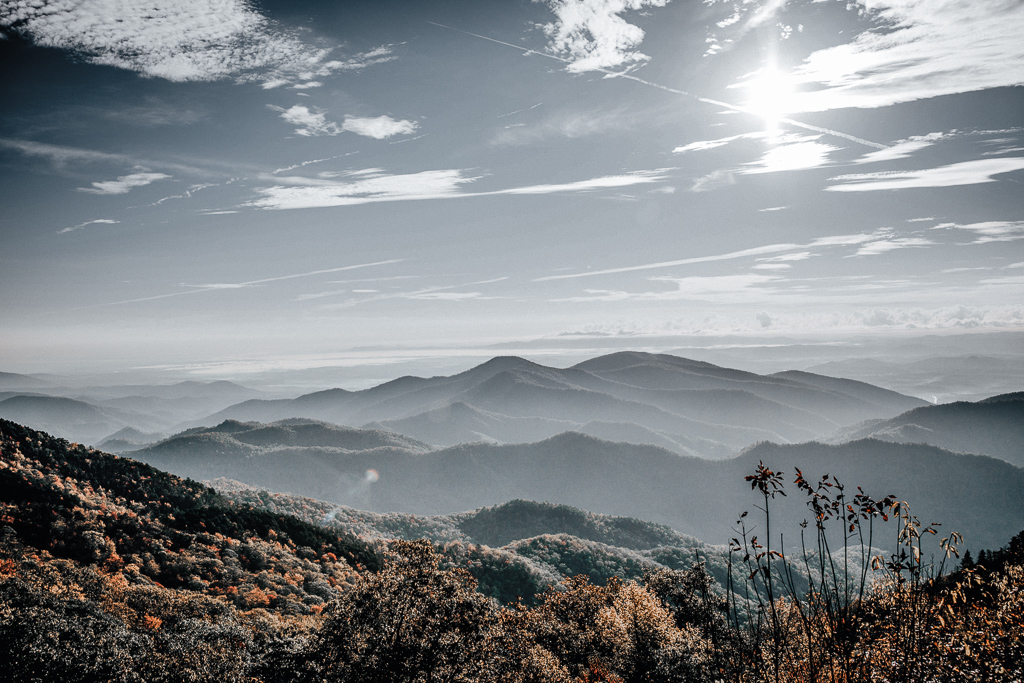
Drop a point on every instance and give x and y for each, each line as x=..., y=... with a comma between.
x=833, y=613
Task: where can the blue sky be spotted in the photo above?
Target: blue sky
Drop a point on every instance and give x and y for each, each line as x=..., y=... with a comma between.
x=232, y=185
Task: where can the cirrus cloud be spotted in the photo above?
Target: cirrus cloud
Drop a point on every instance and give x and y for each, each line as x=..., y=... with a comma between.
x=124, y=183
x=963, y=173
x=919, y=49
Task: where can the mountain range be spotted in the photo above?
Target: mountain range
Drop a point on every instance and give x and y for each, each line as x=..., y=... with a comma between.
x=380, y=471
x=690, y=407
x=993, y=426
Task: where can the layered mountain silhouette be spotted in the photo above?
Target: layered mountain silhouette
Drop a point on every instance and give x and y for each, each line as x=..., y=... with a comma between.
x=72, y=419
x=92, y=414
x=14, y=381
x=695, y=496
x=993, y=426
x=940, y=378
x=690, y=407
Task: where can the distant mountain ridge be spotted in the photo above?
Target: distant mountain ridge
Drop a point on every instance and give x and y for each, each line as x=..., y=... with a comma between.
x=97, y=413
x=689, y=406
x=980, y=496
x=993, y=426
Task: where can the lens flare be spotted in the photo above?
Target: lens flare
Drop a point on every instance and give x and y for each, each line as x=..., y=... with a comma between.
x=371, y=476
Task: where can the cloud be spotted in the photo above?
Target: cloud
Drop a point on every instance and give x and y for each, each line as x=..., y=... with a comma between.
x=901, y=149
x=61, y=155
x=794, y=156
x=830, y=241
x=310, y=161
x=601, y=183
x=714, y=180
x=798, y=256
x=722, y=288
x=919, y=49
x=963, y=173
x=590, y=35
x=373, y=185
x=702, y=145
x=571, y=125
x=178, y=40
x=82, y=225
x=313, y=122
x=772, y=208
x=435, y=293
x=989, y=231
x=883, y=246
x=309, y=122
x=378, y=128
x=124, y=183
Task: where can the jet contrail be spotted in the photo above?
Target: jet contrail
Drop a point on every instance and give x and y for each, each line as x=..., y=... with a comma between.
x=718, y=103
x=197, y=289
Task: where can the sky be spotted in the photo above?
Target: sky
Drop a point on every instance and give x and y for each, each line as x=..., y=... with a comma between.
x=219, y=185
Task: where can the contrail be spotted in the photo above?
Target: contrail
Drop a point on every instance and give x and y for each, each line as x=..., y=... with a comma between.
x=197, y=289
x=718, y=103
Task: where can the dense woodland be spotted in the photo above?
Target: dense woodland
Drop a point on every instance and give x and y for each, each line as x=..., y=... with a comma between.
x=113, y=570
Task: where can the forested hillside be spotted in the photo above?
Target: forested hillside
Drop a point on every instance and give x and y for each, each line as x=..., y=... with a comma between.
x=113, y=570
x=694, y=496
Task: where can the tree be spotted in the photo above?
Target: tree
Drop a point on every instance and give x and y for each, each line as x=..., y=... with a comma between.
x=409, y=622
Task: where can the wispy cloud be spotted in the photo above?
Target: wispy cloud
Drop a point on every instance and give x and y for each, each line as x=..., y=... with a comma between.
x=373, y=188
x=564, y=124
x=312, y=122
x=85, y=224
x=702, y=145
x=373, y=185
x=179, y=40
x=720, y=288
x=719, y=178
x=989, y=231
x=590, y=34
x=798, y=256
x=591, y=184
x=901, y=149
x=891, y=244
x=830, y=241
x=62, y=155
x=124, y=183
x=435, y=293
x=920, y=49
x=799, y=154
x=963, y=173
x=302, y=164
x=519, y=111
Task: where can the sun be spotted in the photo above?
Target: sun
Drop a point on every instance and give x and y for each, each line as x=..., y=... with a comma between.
x=769, y=96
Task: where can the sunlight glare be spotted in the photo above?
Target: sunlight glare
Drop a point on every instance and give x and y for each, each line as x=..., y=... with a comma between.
x=769, y=95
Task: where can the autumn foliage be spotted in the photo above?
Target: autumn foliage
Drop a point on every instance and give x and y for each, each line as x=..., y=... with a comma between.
x=111, y=570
